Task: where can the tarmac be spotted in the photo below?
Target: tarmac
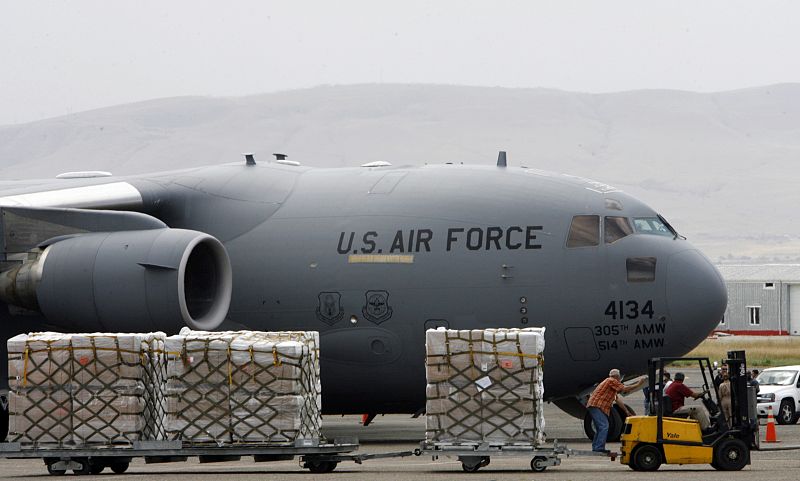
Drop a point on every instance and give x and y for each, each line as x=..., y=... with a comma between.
x=393, y=433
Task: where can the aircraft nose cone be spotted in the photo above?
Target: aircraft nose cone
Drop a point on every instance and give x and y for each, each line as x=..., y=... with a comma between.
x=696, y=297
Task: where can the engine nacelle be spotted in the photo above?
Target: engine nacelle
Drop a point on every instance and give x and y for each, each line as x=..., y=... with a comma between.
x=159, y=279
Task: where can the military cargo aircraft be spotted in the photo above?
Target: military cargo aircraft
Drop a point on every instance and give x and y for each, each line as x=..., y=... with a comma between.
x=371, y=257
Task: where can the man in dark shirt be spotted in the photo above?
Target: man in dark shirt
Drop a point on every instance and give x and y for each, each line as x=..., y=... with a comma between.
x=678, y=392
x=722, y=372
x=753, y=381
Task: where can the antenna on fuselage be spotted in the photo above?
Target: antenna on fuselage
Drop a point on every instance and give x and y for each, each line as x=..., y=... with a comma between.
x=501, y=159
x=280, y=156
x=249, y=159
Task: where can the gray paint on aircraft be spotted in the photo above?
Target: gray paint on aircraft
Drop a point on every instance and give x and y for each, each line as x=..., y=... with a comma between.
x=462, y=246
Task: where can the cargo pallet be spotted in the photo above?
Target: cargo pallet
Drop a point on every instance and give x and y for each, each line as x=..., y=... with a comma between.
x=315, y=456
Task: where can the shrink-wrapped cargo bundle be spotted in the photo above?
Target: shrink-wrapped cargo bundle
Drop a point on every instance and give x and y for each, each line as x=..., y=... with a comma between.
x=485, y=385
x=243, y=387
x=79, y=389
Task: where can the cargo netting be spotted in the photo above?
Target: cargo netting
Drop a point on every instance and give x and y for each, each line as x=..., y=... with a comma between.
x=198, y=387
x=243, y=387
x=485, y=386
x=86, y=389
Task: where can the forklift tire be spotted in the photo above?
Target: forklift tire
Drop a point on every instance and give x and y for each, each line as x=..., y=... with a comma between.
x=786, y=414
x=616, y=422
x=731, y=455
x=646, y=457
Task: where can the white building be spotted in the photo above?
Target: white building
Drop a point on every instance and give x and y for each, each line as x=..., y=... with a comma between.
x=762, y=299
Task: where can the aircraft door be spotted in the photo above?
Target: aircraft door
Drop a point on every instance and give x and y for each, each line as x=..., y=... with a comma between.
x=436, y=323
x=580, y=344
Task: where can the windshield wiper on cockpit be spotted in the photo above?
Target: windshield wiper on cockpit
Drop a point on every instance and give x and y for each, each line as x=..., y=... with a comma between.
x=671, y=229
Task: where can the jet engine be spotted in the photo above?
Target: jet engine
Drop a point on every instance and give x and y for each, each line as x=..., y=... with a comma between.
x=139, y=280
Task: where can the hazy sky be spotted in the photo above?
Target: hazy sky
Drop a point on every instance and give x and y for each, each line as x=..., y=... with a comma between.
x=58, y=57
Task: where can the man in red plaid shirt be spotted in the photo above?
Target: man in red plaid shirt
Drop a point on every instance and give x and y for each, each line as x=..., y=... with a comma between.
x=600, y=402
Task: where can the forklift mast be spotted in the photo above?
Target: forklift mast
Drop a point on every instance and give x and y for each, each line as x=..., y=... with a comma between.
x=737, y=373
x=743, y=398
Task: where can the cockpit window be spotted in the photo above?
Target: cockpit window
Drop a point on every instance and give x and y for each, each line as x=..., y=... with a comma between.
x=653, y=226
x=616, y=228
x=584, y=231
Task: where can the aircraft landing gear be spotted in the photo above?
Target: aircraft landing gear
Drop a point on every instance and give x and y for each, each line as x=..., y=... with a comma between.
x=616, y=422
x=3, y=417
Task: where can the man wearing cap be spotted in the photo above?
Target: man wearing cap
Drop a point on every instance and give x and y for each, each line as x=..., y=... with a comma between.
x=600, y=402
x=678, y=392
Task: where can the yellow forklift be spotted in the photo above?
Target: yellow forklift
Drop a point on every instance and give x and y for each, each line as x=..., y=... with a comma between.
x=661, y=437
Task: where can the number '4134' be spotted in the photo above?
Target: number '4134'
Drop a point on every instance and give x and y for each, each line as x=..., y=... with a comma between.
x=629, y=309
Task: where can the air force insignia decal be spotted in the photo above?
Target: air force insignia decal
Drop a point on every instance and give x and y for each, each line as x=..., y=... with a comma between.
x=330, y=309
x=377, y=307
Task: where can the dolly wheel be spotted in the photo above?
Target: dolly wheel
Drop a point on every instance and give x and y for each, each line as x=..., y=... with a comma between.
x=538, y=464
x=85, y=468
x=731, y=455
x=119, y=468
x=645, y=458
x=472, y=464
x=55, y=472
x=320, y=467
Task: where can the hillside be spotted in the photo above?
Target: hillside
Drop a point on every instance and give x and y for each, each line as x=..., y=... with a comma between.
x=721, y=167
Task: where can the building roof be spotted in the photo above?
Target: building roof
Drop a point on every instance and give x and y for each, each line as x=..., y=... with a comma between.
x=761, y=272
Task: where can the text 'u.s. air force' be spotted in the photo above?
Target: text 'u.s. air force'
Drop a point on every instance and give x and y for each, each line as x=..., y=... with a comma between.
x=426, y=240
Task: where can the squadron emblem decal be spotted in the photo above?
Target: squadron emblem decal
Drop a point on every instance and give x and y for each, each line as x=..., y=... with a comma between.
x=330, y=309
x=377, y=307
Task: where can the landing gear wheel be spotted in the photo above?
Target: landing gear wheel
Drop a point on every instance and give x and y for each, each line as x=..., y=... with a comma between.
x=52, y=470
x=646, y=457
x=85, y=467
x=616, y=421
x=471, y=464
x=119, y=468
x=320, y=467
x=96, y=468
x=786, y=412
x=538, y=464
x=731, y=455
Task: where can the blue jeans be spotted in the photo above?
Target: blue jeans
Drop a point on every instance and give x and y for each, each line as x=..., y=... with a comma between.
x=600, y=428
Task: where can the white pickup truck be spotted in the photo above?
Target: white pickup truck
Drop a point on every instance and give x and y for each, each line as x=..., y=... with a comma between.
x=779, y=387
